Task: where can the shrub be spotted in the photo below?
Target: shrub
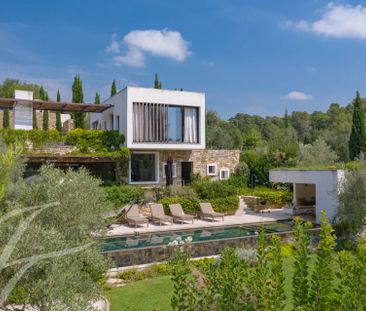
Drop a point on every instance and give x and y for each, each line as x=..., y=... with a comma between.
x=190, y=205
x=278, y=197
x=37, y=138
x=226, y=205
x=156, y=270
x=208, y=190
x=122, y=195
x=174, y=191
x=95, y=140
x=240, y=177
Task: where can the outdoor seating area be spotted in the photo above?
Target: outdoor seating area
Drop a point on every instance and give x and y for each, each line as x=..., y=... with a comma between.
x=193, y=222
x=158, y=216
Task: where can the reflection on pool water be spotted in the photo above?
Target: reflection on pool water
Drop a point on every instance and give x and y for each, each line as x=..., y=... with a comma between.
x=201, y=235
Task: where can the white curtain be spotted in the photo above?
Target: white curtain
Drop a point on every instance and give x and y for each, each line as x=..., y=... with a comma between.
x=190, y=125
x=150, y=122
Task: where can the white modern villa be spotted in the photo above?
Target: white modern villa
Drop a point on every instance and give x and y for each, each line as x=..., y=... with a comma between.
x=158, y=124
x=313, y=190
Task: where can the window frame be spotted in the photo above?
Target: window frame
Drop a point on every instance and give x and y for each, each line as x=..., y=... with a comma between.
x=225, y=169
x=156, y=169
x=208, y=169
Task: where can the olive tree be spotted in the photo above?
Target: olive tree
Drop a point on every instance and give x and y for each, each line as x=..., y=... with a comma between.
x=49, y=240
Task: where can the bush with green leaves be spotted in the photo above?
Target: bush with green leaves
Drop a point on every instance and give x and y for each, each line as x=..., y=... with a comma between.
x=95, y=140
x=320, y=277
x=37, y=138
x=272, y=196
x=189, y=204
x=174, y=191
x=208, y=190
x=240, y=177
x=317, y=153
x=121, y=195
x=66, y=280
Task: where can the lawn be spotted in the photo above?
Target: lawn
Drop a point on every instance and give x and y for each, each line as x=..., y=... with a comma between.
x=154, y=294
x=149, y=294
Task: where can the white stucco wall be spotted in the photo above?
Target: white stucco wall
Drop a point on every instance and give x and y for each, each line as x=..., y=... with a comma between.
x=123, y=106
x=23, y=110
x=327, y=184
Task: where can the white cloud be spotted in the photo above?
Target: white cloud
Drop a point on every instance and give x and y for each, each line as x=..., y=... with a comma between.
x=133, y=57
x=338, y=21
x=114, y=46
x=163, y=43
x=298, y=96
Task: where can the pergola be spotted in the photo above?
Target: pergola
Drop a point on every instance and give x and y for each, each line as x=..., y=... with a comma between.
x=63, y=107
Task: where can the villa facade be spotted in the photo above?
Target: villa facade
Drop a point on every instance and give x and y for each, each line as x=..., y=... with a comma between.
x=158, y=124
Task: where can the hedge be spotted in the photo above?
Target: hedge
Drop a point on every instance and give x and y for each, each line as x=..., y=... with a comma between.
x=37, y=138
x=94, y=140
x=279, y=197
x=208, y=190
x=190, y=205
x=122, y=195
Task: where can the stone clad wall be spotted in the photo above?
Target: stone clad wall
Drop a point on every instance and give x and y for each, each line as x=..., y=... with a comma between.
x=228, y=159
x=222, y=158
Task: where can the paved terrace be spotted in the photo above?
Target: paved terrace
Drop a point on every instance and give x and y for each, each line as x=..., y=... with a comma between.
x=243, y=217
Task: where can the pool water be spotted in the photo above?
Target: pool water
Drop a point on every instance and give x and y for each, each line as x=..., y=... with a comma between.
x=201, y=235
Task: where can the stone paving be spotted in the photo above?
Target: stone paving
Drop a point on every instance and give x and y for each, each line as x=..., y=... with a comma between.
x=245, y=216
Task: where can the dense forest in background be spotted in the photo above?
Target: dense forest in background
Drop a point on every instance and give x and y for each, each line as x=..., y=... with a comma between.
x=298, y=138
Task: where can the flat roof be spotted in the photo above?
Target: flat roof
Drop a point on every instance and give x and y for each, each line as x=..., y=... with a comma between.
x=55, y=106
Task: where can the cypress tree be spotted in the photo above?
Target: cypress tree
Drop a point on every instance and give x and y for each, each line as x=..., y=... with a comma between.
x=45, y=120
x=35, y=125
x=286, y=119
x=78, y=97
x=357, y=141
x=58, y=114
x=45, y=125
x=6, y=120
x=113, y=88
x=157, y=82
x=97, y=99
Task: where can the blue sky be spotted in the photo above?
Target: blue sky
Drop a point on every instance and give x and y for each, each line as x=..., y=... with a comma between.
x=253, y=56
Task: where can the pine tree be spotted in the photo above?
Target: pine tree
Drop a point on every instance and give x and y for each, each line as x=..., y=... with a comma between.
x=78, y=97
x=6, y=120
x=157, y=82
x=58, y=114
x=113, y=88
x=357, y=141
x=97, y=99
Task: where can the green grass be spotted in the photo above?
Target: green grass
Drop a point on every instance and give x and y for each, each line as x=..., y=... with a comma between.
x=149, y=294
x=154, y=294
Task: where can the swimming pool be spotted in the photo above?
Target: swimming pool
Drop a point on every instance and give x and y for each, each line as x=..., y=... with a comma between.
x=159, y=239
x=154, y=247
x=194, y=236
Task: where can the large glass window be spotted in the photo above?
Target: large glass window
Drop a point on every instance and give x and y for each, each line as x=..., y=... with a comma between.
x=174, y=124
x=143, y=167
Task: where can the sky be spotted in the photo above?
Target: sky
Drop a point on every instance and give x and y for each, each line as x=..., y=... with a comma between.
x=249, y=56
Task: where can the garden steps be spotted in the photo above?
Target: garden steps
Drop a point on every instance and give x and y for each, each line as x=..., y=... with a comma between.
x=242, y=207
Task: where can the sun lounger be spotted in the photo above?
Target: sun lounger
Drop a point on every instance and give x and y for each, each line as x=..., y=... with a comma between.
x=133, y=216
x=178, y=214
x=207, y=212
x=158, y=215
